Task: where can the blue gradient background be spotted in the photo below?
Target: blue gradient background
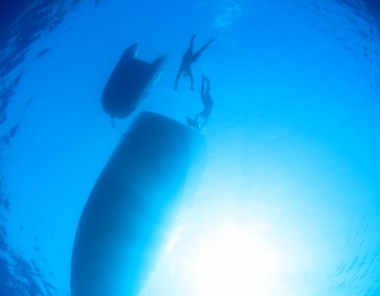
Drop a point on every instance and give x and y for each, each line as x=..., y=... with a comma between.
x=289, y=202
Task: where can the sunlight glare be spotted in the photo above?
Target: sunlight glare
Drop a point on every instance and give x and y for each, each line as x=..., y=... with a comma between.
x=236, y=262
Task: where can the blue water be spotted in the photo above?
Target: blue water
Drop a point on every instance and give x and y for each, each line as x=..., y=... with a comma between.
x=289, y=201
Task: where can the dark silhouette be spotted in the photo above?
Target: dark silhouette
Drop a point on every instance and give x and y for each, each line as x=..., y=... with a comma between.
x=208, y=103
x=193, y=123
x=188, y=58
x=130, y=82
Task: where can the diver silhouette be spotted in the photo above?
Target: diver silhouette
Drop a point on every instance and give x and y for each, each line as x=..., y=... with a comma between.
x=188, y=58
x=208, y=103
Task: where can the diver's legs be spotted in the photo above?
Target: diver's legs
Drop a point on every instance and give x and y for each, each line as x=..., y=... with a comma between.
x=198, y=52
x=206, y=45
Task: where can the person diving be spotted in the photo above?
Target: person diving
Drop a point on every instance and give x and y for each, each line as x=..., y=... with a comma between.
x=208, y=103
x=187, y=59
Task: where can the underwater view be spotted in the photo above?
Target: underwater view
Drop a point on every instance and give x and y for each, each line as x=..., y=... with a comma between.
x=193, y=148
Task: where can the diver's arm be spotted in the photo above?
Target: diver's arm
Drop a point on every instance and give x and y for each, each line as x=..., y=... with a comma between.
x=191, y=79
x=196, y=117
x=206, y=120
x=208, y=87
x=203, y=87
x=176, y=79
x=205, y=46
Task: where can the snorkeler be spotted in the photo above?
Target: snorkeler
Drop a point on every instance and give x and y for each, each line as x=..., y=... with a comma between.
x=208, y=103
x=188, y=58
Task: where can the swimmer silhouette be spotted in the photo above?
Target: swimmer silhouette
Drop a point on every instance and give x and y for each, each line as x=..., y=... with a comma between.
x=208, y=103
x=188, y=58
